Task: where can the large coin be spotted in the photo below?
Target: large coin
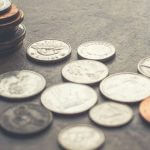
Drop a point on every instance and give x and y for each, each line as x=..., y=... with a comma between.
x=26, y=119
x=21, y=84
x=96, y=50
x=81, y=137
x=49, y=50
x=126, y=87
x=111, y=114
x=4, y=5
x=85, y=71
x=69, y=98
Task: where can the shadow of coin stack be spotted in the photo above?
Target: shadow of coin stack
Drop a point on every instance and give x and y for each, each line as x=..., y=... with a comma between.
x=12, y=32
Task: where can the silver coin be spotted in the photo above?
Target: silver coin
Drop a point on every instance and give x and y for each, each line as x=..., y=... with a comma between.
x=126, y=87
x=21, y=84
x=69, y=98
x=85, y=71
x=111, y=114
x=96, y=50
x=4, y=5
x=49, y=50
x=81, y=137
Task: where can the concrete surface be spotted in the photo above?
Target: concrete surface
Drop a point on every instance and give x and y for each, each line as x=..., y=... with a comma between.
x=124, y=23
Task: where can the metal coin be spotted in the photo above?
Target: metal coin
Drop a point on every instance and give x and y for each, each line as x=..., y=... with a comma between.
x=126, y=87
x=49, y=50
x=96, y=50
x=111, y=114
x=26, y=119
x=21, y=84
x=85, y=71
x=69, y=98
x=81, y=137
x=4, y=5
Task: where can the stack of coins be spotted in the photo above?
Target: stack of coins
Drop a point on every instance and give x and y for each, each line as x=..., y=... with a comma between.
x=12, y=32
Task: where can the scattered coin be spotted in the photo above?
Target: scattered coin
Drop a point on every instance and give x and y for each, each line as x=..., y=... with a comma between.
x=21, y=84
x=85, y=71
x=4, y=5
x=96, y=50
x=26, y=119
x=111, y=114
x=126, y=87
x=81, y=137
x=69, y=98
x=49, y=50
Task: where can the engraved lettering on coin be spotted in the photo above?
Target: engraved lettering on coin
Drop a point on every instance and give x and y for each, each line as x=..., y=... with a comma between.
x=69, y=98
x=126, y=87
x=4, y=5
x=111, y=114
x=85, y=71
x=81, y=137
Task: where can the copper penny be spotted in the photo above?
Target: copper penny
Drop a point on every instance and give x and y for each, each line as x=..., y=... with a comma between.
x=145, y=109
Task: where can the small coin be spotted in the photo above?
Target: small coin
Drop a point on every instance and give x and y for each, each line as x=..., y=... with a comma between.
x=96, y=50
x=85, y=71
x=69, y=98
x=4, y=5
x=111, y=114
x=26, y=119
x=21, y=84
x=126, y=87
x=49, y=50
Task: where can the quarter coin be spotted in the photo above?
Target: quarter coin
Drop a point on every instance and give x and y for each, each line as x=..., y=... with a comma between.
x=85, y=71
x=111, y=114
x=49, y=50
x=26, y=119
x=81, y=137
x=126, y=87
x=21, y=84
x=4, y=5
x=69, y=98
x=96, y=50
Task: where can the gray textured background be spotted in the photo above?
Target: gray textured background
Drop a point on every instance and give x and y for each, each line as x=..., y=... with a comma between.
x=124, y=23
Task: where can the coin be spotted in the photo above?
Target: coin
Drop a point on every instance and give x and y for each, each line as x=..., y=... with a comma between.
x=49, y=50
x=111, y=114
x=21, y=84
x=125, y=87
x=4, y=5
x=96, y=50
x=69, y=98
x=81, y=137
x=26, y=119
x=85, y=71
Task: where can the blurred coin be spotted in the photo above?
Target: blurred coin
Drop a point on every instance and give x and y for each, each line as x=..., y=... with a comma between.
x=69, y=98
x=111, y=114
x=49, y=50
x=81, y=137
x=26, y=119
x=85, y=71
x=21, y=84
x=125, y=87
x=96, y=50
x=4, y=5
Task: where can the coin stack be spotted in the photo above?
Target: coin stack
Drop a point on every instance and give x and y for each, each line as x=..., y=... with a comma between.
x=12, y=32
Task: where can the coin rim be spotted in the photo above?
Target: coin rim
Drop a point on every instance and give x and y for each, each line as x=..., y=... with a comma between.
x=5, y=9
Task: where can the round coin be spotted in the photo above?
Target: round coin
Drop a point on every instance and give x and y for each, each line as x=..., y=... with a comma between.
x=111, y=114
x=21, y=84
x=69, y=98
x=26, y=119
x=81, y=137
x=96, y=50
x=125, y=87
x=85, y=71
x=49, y=50
x=4, y=5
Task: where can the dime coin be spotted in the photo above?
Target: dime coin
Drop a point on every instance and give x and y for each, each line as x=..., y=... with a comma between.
x=49, y=50
x=81, y=137
x=125, y=87
x=69, y=98
x=96, y=50
x=144, y=66
x=26, y=119
x=111, y=114
x=85, y=71
x=21, y=84
x=4, y=5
